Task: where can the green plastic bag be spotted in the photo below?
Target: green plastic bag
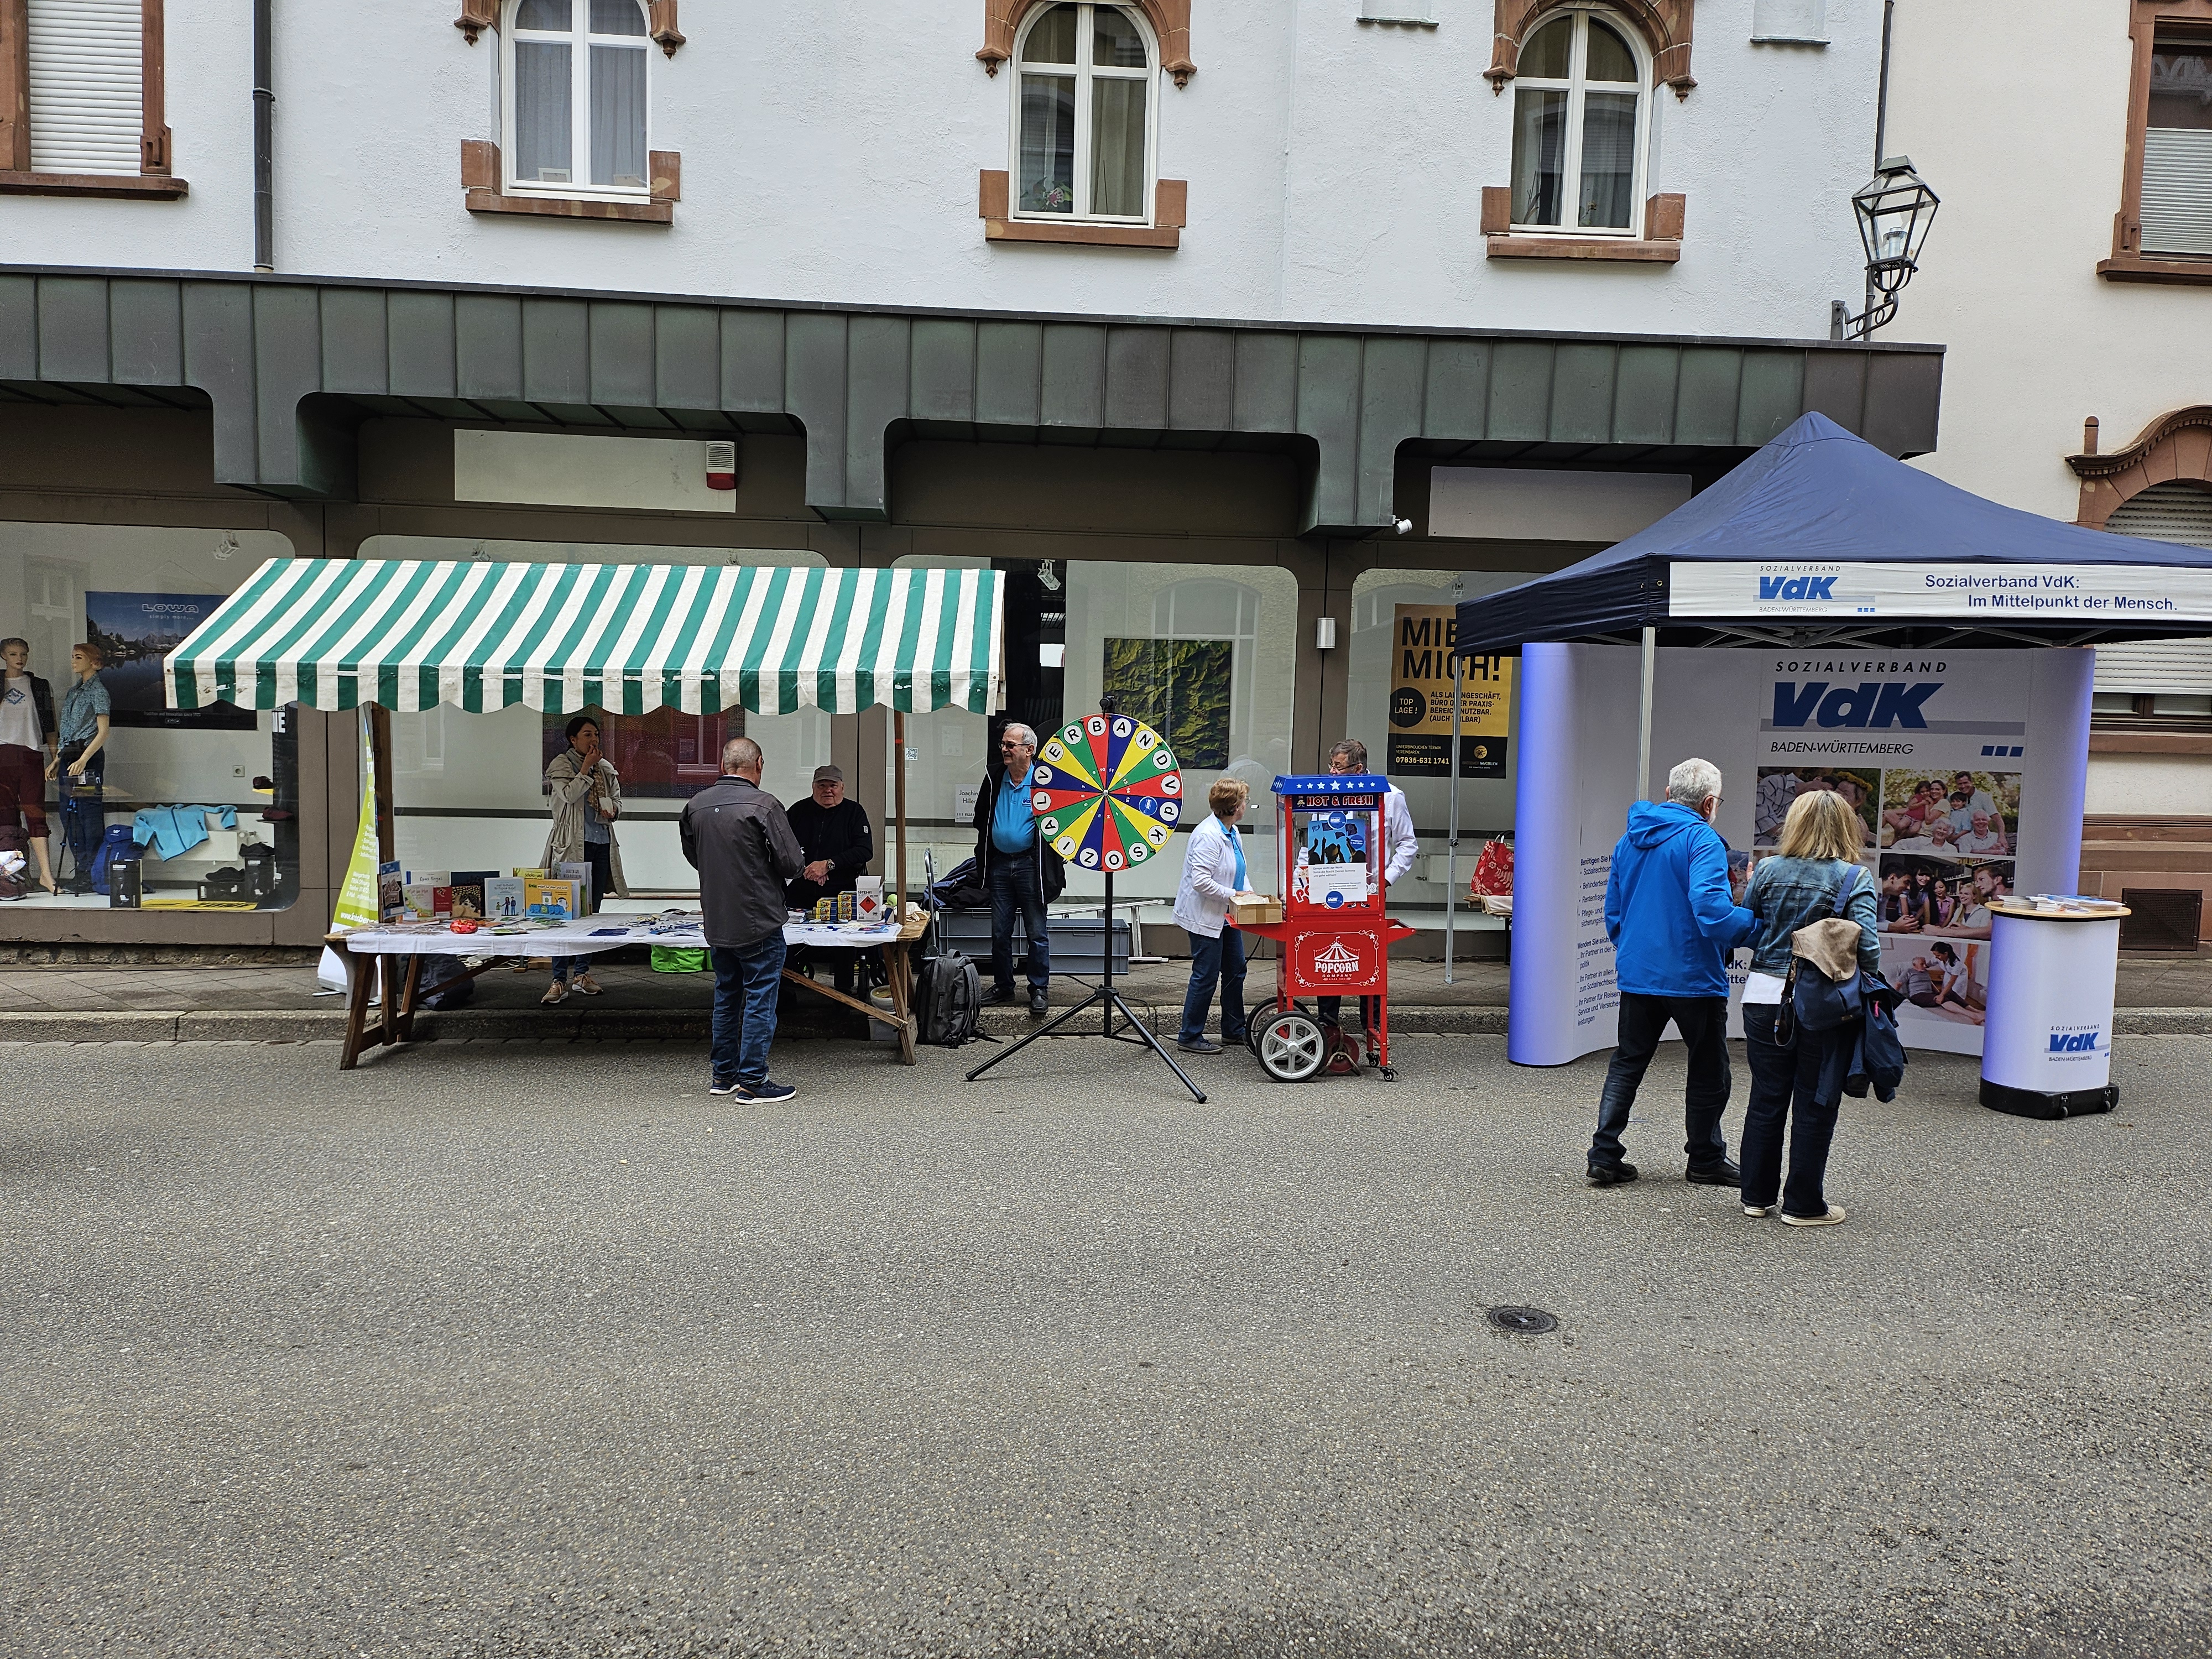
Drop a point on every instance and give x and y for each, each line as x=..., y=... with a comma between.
x=674, y=959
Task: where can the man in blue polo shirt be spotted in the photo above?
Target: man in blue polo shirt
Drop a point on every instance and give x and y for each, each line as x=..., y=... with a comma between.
x=1021, y=872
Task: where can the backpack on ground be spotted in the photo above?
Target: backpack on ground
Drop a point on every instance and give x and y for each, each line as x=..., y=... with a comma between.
x=116, y=846
x=948, y=999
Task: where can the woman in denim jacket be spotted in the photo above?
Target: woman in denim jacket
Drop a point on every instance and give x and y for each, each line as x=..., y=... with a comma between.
x=1818, y=848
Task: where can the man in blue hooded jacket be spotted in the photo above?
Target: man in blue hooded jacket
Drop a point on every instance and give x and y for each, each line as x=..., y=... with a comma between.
x=1673, y=920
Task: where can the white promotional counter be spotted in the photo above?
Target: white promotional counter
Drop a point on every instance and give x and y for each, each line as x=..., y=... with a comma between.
x=2047, y=1044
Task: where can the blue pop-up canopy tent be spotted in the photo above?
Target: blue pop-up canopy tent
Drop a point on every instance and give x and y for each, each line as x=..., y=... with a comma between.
x=1816, y=502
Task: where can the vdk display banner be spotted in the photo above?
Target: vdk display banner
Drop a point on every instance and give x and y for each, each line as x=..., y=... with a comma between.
x=1965, y=770
x=1421, y=700
x=356, y=904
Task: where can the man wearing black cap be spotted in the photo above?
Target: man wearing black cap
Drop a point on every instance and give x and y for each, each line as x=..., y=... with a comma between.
x=835, y=834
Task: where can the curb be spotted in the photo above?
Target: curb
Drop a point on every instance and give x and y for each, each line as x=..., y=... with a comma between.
x=691, y=1026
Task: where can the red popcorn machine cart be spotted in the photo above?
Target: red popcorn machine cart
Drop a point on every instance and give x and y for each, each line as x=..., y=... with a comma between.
x=1334, y=936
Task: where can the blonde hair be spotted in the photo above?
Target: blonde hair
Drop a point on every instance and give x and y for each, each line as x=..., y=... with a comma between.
x=1821, y=825
x=1227, y=795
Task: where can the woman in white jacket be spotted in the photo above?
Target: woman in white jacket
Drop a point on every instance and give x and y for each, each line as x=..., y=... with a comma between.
x=1213, y=874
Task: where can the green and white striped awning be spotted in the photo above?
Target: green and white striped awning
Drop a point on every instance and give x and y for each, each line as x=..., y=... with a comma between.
x=412, y=633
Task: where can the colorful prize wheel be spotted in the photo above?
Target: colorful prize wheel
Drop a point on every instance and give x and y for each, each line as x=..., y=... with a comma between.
x=1106, y=792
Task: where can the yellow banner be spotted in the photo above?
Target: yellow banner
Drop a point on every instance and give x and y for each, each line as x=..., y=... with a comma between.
x=1421, y=639
x=356, y=905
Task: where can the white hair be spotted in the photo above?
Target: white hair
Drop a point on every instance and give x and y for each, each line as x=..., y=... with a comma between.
x=1692, y=782
x=1028, y=733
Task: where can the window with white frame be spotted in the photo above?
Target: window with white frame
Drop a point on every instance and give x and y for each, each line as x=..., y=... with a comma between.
x=575, y=74
x=1084, y=114
x=1578, y=126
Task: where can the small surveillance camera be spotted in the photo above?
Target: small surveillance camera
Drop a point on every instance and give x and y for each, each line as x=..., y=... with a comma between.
x=1403, y=526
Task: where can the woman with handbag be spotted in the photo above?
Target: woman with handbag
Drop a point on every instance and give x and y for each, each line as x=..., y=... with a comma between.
x=1796, y=1071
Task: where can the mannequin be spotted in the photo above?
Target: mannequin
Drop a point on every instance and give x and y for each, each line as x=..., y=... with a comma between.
x=27, y=731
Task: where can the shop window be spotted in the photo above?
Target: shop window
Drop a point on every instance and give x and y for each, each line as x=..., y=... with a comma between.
x=134, y=594
x=2163, y=231
x=1397, y=701
x=1206, y=655
x=82, y=98
x=469, y=789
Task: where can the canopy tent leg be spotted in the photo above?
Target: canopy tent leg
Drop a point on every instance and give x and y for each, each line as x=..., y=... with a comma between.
x=898, y=799
x=1451, y=833
x=1643, y=717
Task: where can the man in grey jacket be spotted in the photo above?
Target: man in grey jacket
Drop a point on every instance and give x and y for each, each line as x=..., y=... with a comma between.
x=739, y=839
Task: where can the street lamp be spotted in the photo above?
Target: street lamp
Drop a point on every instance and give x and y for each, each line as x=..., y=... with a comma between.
x=1894, y=210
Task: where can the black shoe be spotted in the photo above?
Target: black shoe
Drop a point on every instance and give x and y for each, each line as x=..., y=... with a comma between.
x=998, y=995
x=1722, y=1174
x=1036, y=1003
x=1611, y=1175
x=1201, y=1046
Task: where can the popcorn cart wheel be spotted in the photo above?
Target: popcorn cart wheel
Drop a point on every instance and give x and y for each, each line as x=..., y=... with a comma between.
x=1289, y=1047
x=1335, y=938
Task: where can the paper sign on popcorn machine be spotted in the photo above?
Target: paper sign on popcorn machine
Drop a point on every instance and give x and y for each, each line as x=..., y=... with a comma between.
x=1335, y=939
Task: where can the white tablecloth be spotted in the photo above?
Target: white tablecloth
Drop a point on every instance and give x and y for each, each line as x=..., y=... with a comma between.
x=589, y=936
x=583, y=937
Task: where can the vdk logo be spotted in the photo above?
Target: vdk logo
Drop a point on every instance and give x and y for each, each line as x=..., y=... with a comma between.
x=1869, y=703
x=1797, y=588
x=2075, y=1043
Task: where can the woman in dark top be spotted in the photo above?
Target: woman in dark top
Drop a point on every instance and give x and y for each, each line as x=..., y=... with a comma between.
x=1803, y=1082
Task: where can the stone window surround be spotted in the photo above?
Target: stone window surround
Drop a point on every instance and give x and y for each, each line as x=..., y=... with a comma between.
x=153, y=181
x=2128, y=264
x=994, y=206
x=483, y=179
x=478, y=16
x=1171, y=21
x=2176, y=448
x=1660, y=243
x=1664, y=24
x=480, y=176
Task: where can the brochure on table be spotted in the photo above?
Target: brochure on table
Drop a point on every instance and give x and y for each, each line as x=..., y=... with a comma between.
x=1893, y=731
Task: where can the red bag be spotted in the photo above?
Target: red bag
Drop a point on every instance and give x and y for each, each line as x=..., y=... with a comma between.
x=1493, y=870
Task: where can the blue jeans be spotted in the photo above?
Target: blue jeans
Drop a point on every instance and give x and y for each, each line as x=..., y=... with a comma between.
x=84, y=818
x=1704, y=1025
x=1014, y=888
x=1803, y=1084
x=1212, y=959
x=745, y=984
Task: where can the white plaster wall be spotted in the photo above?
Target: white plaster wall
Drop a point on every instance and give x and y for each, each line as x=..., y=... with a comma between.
x=2022, y=131
x=831, y=153
x=2149, y=785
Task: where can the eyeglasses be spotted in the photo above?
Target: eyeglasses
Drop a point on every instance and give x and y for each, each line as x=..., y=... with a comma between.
x=1012, y=743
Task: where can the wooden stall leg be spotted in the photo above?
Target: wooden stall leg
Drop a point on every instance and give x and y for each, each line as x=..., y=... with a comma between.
x=388, y=970
x=408, y=983
x=361, y=974
x=898, y=970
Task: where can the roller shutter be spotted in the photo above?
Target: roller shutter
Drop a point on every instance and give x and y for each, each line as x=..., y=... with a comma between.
x=88, y=96
x=2166, y=513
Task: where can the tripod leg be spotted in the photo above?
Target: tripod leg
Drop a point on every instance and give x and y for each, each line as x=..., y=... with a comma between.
x=1153, y=1042
x=1045, y=1029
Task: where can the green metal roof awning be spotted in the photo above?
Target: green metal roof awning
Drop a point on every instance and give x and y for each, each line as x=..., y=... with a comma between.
x=412, y=633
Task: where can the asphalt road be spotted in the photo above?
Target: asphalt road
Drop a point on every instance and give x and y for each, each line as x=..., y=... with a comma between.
x=510, y=1349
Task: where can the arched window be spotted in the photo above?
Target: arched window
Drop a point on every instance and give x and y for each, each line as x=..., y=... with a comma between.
x=1578, y=126
x=575, y=74
x=1083, y=127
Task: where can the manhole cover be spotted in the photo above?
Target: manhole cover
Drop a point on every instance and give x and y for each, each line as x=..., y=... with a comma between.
x=1523, y=1322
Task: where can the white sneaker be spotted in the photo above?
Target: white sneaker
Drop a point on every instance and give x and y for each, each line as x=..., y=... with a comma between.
x=1835, y=1214
x=1758, y=1209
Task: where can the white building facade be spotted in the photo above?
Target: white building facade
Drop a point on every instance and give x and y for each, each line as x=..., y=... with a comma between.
x=2070, y=274
x=1177, y=313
